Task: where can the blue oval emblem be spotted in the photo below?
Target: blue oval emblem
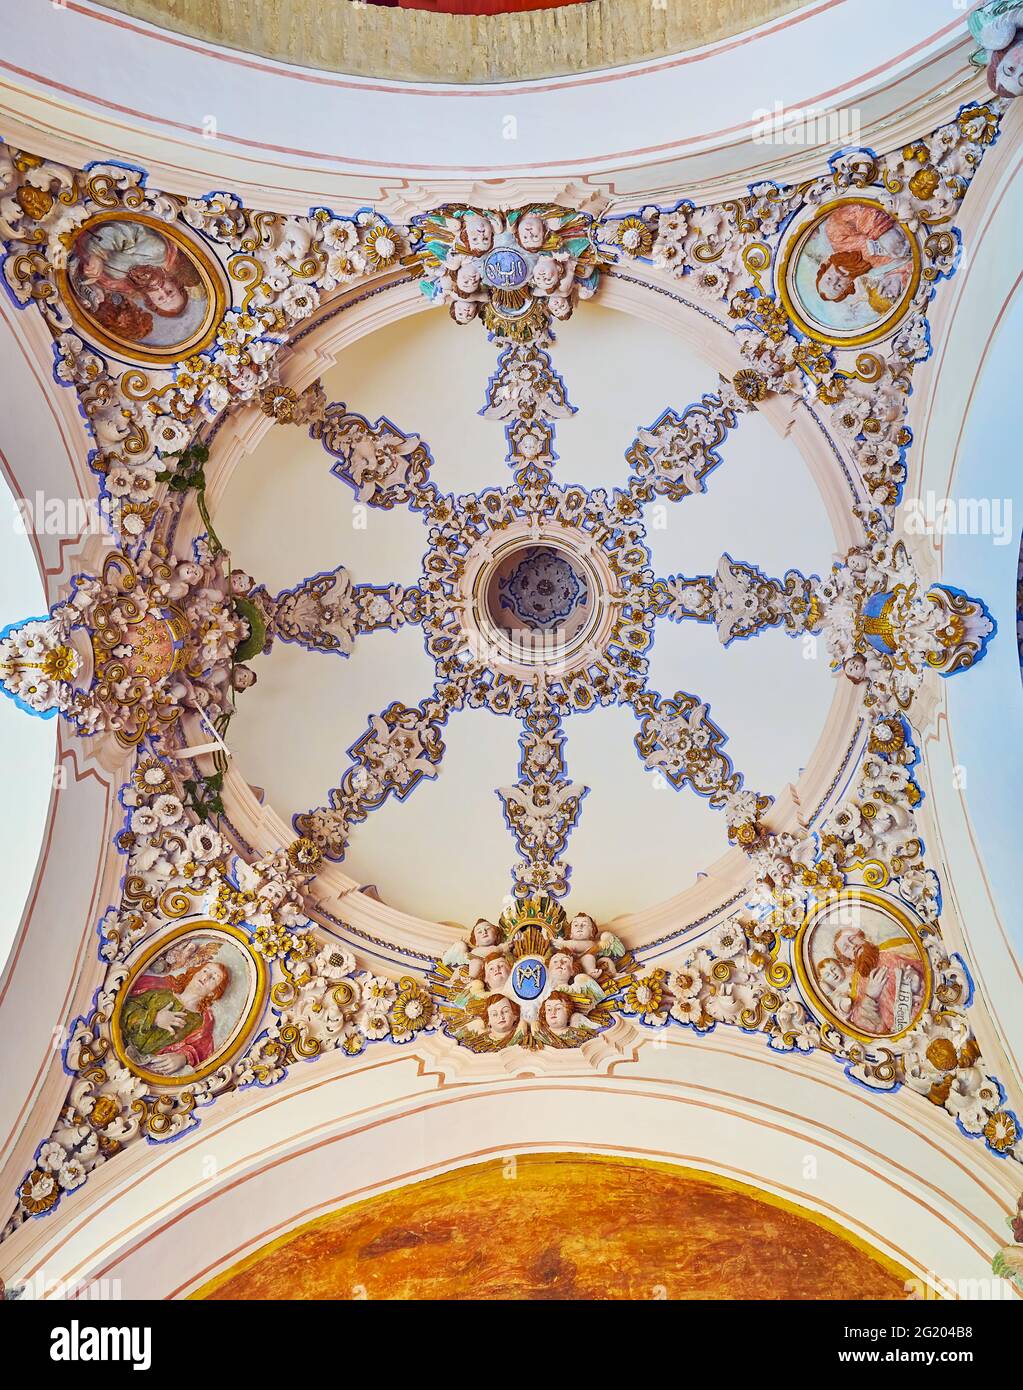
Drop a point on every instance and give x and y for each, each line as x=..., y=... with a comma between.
x=505, y=268
x=529, y=978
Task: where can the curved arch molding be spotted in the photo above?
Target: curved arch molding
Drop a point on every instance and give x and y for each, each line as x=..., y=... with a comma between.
x=709, y=1104
x=411, y=43
x=282, y=136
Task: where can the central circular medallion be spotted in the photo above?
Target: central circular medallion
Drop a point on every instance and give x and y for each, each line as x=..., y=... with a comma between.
x=505, y=268
x=536, y=602
x=538, y=589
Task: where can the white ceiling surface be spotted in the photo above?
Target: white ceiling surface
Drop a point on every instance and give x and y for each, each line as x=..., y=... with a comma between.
x=27, y=745
x=445, y=853
x=286, y=116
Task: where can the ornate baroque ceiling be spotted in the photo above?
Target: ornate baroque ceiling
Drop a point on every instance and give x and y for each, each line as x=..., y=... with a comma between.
x=508, y=636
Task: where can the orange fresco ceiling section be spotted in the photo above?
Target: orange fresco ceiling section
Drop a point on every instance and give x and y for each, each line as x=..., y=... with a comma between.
x=566, y=1226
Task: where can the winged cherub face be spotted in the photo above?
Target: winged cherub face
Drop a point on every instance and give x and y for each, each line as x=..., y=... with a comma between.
x=478, y=233
x=467, y=278
x=531, y=231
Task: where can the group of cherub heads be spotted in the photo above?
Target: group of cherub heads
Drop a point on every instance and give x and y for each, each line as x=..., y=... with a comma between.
x=898, y=627
x=538, y=265
x=530, y=987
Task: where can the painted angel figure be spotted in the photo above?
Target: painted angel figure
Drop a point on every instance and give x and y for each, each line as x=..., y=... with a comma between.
x=860, y=565
x=466, y=236
x=499, y=1020
x=998, y=29
x=554, y=274
x=463, y=310
x=462, y=279
x=476, y=232
x=862, y=667
x=569, y=975
x=531, y=231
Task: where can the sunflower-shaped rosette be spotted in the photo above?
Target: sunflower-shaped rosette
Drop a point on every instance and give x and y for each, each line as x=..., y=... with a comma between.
x=533, y=979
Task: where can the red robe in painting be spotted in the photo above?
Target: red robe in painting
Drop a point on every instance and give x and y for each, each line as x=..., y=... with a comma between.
x=894, y=963
x=198, y=1045
x=852, y=228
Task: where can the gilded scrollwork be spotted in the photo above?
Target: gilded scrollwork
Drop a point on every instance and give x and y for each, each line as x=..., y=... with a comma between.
x=159, y=641
x=116, y=266
x=136, y=648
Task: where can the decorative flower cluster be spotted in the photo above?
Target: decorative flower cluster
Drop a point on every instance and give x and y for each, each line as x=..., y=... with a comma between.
x=277, y=270
x=180, y=867
x=326, y=1002
x=724, y=254
x=735, y=979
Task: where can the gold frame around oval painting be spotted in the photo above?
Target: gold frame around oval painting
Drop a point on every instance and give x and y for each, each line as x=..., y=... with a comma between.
x=210, y=273
x=901, y=919
x=790, y=258
x=240, y=1033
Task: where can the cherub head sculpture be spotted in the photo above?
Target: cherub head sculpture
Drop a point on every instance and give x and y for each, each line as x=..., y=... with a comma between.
x=484, y=933
x=556, y=1012
x=855, y=668
x=546, y=275
x=583, y=928
x=531, y=231
x=479, y=233
x=502, y=1015
x=496, y=971
x=463, y=310
x=467, y=278
x=561, y=969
